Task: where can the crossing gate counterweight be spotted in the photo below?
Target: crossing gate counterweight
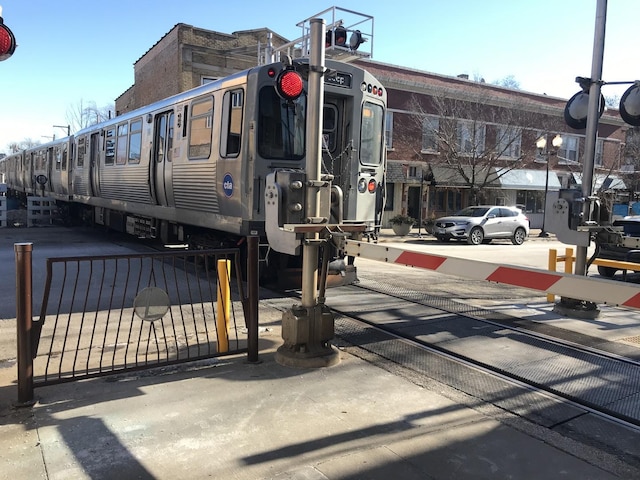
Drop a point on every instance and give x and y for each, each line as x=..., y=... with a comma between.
x=563, y=284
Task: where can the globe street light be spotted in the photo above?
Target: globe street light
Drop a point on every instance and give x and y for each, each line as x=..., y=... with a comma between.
x=541, y=143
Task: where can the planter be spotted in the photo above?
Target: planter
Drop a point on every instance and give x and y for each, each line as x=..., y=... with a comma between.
x=401, y=229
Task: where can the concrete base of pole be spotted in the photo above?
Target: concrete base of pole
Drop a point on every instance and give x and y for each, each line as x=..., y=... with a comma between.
x=306, y=333
x=581, y=309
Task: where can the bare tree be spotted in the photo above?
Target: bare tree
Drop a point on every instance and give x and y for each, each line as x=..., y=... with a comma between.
x=473, y=137
x=15, y=147
x=509, y=82
x=84, y=114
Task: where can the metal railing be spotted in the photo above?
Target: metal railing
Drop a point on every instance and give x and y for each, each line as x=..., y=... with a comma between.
x=114, y=313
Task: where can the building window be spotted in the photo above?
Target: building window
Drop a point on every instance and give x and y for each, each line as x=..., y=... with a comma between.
x=508, y=142
x=531, y=201
x=597, y=159
x=388, y=130
x=568, y=152
x=471, y=136
x=430, y=129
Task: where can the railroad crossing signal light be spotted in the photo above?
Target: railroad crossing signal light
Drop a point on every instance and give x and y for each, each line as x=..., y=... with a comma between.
x=575, y=112
x=630, y=105
x=7, y=41
x=356, y=40
x=338, y=38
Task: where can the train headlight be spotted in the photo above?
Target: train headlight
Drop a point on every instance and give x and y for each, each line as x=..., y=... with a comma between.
x=362, y=185
x=7, y=40
x=289, y=84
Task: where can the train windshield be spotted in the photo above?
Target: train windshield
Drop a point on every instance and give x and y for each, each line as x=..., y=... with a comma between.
x=281, y=126
x=371, y=134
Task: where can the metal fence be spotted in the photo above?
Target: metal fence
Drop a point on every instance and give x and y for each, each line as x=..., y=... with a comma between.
x=114, y=313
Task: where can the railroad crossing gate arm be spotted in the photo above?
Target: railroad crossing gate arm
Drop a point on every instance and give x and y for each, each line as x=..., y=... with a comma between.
x=563, y=284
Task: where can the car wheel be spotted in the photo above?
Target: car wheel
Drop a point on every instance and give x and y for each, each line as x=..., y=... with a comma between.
x=519, y=236
x=608, y=272
x=476, y=236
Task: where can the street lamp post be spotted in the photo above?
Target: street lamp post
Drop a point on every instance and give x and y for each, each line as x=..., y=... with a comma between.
x=541, y=143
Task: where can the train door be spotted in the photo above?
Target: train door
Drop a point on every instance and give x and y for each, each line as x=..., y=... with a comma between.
x=332, y=143
x=161, y=173
x=94, y=165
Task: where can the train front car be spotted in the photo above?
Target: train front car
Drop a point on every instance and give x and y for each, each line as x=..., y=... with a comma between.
x=353, y=152
x=353, y=141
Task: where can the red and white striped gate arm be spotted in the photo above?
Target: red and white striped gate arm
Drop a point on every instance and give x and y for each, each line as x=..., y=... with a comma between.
x=563, y=284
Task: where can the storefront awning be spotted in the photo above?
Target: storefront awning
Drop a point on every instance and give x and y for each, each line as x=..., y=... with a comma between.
x=601, y=182
x=446, y=176
x=523, y=179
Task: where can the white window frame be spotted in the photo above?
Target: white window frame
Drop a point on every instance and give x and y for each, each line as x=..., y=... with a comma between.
x=509, y=142
x=569, y=150
x=430, y=127
x=598, y=155
x=471, y=137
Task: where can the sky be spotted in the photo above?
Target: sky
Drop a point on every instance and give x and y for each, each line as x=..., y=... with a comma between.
x=73, y=52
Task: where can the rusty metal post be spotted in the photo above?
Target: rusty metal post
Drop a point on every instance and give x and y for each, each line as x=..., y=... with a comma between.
x=24, y=321
x=253, y=292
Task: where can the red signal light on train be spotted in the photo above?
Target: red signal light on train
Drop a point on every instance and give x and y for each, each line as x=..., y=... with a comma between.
x=372, y=186
x=289, y=84
x=7, y=41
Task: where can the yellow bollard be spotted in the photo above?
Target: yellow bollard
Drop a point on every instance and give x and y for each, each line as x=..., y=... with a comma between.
x=568, y=262
x=553, y=260
x=224, y=305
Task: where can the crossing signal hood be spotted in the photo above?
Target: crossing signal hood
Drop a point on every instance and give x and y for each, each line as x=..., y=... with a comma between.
x=7, y=41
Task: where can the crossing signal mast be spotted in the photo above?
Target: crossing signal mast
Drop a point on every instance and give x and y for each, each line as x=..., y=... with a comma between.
x=349, y=36
x=7, y=40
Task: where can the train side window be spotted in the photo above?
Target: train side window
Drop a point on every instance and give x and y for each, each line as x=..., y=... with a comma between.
x=121, y=149
x=135, y=141
x=371, y=134
x=232, y=105
x=329, y=127
x=57, y=157
x=110, y=146
x=200, y=130
x=81, y=151
x=64, y=158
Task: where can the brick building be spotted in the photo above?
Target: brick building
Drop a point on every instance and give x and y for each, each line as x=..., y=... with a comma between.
x=186, y=57
x=431, y=172
x=451, y=141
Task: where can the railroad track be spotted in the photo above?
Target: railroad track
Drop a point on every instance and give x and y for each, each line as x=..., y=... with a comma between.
x=572, y=384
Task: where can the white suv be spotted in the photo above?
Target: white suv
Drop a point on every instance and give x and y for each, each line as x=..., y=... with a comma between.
x=483, y=223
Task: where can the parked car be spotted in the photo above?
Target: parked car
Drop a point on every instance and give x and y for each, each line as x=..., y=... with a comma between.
x=611, y=248
x=483, y=223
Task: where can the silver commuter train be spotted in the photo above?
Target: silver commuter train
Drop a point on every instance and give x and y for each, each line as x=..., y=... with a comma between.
x=192, y=168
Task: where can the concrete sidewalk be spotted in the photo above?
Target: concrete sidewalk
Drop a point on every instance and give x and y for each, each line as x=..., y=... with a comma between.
x=228, y=419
